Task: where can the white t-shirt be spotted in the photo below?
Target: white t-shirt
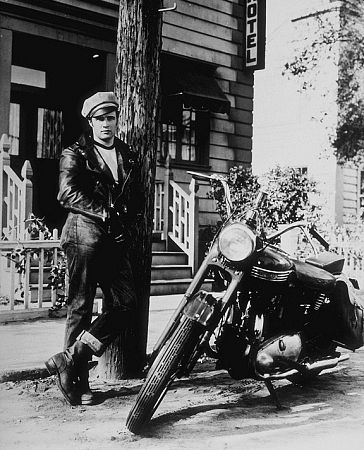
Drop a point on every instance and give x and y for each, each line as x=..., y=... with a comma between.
x=109, y=156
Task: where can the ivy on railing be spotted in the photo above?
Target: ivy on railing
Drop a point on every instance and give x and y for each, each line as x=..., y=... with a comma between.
x=36, y=229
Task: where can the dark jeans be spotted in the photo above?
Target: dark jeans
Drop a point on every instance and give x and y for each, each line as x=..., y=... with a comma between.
x=93, y=257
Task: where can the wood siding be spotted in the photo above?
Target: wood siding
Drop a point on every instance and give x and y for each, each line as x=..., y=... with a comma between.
x=350, y=177
x=213, y=32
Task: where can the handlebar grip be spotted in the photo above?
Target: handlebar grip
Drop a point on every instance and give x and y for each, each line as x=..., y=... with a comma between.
x=319, y=238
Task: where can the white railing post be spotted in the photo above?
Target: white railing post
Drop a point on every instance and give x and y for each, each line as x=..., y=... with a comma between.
x=4, y=162
x=167, y=177
x=158, y=215
x=194, y=223
x=26, y=204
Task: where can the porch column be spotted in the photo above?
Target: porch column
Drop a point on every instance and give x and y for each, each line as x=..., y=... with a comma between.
x=110, y=71
x=6, y=41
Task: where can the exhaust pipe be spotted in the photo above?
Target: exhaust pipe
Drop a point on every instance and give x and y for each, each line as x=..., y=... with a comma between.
x=316, y=366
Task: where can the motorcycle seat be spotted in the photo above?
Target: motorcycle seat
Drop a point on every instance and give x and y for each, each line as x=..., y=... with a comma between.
x=314, y=277
x=329, y=261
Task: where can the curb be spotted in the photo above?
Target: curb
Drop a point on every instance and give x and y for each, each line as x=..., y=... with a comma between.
x=23, y=374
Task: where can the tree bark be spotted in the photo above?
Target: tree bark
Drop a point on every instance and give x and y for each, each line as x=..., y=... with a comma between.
x=137, y=88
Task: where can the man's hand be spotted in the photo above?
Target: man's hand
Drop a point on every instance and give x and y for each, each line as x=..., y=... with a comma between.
x=117, y=229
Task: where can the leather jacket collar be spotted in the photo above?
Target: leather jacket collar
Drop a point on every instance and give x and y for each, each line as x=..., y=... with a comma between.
x=126, y=158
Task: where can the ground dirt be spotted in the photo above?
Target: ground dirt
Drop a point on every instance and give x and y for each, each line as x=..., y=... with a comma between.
x=209, y=410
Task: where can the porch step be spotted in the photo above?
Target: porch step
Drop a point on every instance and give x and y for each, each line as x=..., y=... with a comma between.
x=176, y=286
x=174, y=258
x=171, y=272
x=158, y=246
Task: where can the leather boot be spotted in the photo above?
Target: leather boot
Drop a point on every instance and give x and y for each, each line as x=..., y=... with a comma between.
x=83, y=390
x=64, y=366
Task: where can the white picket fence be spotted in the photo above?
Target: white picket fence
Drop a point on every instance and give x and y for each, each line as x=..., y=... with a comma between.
x=25, y=269
x=353, y=252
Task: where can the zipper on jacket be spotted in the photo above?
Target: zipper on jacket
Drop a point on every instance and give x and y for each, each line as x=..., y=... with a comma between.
x=123, y=186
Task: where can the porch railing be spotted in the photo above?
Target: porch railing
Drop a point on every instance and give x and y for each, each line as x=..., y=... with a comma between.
x=184, y=220
x=25, y=267
x=16, y=194
x=25, y=263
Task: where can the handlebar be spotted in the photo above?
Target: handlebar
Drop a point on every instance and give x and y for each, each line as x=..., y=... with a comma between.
x=223, y=181
x=314, y=233
x=260, y=199
x=307, y=229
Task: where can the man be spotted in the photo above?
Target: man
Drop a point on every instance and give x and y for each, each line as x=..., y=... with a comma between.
x=97, y=185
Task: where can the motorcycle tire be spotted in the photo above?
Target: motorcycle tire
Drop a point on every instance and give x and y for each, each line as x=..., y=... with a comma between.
x=180, y=345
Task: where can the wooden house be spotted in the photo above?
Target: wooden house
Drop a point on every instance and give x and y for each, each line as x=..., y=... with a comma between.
x=55, y=53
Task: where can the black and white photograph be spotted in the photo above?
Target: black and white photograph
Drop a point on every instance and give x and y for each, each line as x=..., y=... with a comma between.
x=181, y=224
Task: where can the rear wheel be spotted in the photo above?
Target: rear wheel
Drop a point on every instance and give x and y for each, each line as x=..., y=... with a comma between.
x=177, y=349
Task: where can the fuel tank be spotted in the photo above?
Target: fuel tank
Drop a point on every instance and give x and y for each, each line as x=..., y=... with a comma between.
x=269, y=264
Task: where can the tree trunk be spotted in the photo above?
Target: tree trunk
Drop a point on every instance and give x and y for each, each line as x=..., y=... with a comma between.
x=137, y=87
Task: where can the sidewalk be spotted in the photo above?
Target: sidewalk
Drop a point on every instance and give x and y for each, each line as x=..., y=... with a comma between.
x=26, y=345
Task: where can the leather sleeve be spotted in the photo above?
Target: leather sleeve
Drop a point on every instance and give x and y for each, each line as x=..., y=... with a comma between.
x=73, y=193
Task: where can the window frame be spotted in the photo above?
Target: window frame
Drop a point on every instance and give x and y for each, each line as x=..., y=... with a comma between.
x=172, y=114
x=360, y=207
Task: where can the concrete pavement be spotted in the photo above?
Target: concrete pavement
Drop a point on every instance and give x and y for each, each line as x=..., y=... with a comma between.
x=26, y=345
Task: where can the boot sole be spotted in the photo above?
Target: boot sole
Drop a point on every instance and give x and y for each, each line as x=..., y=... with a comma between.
x=87, y=402
x=53, y=370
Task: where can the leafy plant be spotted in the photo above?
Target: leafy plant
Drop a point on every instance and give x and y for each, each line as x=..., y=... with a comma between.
x=58, y=281
x=37, y=229
x=348, y=40
x=288, y=191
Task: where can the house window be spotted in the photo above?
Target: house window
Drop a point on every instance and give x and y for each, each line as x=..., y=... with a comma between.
x=185, y=134
x=361, y=190
x=302, y=170
x=49, y=133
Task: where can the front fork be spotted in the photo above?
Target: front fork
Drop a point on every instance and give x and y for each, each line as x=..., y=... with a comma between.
x=190, y=304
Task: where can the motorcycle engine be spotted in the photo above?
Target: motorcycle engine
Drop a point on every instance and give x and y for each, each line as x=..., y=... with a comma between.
x=230, y=346
x=277, y=354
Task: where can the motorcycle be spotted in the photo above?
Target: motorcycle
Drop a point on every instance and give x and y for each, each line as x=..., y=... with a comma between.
x=274, y=317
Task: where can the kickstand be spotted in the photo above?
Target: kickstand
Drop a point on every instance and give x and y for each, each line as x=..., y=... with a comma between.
x=273, y=394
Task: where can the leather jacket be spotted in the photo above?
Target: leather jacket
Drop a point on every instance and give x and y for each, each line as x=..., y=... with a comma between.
x=86, y=184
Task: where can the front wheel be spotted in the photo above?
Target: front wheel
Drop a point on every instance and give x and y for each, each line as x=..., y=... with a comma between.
x=180, y=345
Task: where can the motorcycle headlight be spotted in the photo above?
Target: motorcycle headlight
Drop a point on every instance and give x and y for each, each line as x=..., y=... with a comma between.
x=237, y=242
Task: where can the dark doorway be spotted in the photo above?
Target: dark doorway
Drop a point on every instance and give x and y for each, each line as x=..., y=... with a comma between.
x=49, y=83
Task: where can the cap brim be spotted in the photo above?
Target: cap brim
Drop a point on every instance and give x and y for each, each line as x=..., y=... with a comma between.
x=104, y=109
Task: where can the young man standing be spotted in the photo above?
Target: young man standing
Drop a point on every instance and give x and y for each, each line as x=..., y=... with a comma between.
x=97, y=187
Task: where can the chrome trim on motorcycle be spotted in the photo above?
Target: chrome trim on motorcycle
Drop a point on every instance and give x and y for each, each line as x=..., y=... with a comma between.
x=317, y=366
x=270, y=275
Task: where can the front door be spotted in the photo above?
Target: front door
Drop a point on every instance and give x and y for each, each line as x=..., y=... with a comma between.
x=50, y=79
x=36, y=133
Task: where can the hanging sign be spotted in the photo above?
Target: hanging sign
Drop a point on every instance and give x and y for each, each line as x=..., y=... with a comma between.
x=255, y=11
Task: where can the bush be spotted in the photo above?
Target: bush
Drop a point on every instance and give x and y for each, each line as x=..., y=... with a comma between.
x=288, y=195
